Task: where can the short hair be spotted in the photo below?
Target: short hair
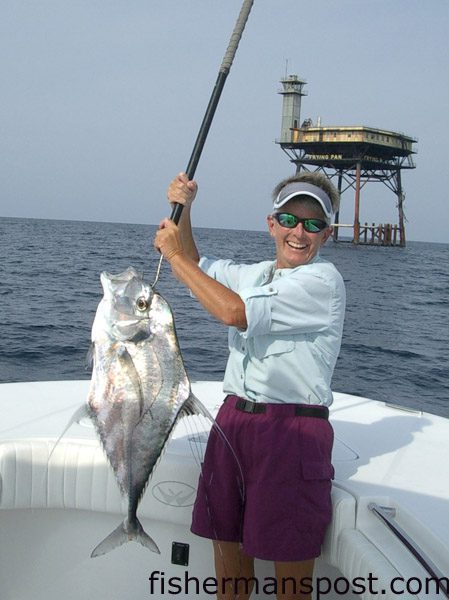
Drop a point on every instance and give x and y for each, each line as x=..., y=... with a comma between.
x=316, y=178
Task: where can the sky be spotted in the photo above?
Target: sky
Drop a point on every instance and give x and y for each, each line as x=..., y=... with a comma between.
x=102, y=100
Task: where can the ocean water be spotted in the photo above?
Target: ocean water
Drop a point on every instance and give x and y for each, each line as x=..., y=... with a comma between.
x=396, y=339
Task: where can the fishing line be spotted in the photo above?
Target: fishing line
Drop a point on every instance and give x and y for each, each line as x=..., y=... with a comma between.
x=193, y=424
x=223, y=72
x=197, y=448
x=193, y=162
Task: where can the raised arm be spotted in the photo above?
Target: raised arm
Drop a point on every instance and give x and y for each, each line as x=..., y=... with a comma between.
x=178, y=247
x=221, y=302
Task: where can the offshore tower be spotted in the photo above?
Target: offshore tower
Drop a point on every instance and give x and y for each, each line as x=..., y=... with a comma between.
x=355, y=155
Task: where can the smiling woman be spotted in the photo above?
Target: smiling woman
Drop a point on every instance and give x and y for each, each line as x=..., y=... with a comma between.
x=286, y=321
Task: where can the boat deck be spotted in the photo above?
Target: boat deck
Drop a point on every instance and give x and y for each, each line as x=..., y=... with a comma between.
x=383, y=456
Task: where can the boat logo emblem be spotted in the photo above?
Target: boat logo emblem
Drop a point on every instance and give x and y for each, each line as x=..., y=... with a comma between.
x=174, y=493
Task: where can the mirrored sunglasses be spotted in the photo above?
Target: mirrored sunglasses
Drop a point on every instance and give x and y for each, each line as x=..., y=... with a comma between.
x=291, y=221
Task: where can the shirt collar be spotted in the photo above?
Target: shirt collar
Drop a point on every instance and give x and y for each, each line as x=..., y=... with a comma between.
x=270, y=272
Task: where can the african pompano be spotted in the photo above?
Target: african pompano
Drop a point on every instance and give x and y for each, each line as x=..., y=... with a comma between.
x=139, y=389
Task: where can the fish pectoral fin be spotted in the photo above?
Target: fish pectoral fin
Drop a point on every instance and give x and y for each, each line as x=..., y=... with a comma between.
x=129, y=368
x=125, y=532
x=193, y=406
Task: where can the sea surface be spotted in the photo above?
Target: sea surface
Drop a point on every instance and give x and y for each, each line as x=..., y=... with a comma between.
x=396, y=339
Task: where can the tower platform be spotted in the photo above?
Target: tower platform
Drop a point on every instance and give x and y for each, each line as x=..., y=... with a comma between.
x=354, y=155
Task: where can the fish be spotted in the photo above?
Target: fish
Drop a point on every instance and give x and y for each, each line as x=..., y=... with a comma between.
x=138, y=392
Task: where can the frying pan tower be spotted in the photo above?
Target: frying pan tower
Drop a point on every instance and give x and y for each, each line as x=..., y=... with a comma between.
x=354, y=155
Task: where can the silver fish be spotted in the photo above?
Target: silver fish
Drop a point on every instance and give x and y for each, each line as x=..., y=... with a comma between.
x=139, y=390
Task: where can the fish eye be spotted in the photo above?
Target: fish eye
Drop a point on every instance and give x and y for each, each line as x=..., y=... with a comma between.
x=142, y=303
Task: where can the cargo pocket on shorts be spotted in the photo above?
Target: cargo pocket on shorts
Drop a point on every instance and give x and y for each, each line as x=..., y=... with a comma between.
x=315, y=506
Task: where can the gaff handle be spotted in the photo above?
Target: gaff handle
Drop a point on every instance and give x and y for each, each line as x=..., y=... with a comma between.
x=214, y=99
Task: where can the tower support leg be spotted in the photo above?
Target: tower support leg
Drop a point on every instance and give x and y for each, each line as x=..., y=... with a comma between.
x=356, y=238
x=400, y=194
x=337, y=214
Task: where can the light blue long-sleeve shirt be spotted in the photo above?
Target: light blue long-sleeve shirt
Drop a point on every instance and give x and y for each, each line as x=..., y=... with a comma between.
x=294, y=328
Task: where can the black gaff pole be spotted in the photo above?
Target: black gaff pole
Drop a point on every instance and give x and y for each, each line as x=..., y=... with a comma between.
x=214, y=99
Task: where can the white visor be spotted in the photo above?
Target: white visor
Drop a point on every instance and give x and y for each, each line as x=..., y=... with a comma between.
x=301, y=188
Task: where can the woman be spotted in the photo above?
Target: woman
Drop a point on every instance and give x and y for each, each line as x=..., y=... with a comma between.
x=286, y=320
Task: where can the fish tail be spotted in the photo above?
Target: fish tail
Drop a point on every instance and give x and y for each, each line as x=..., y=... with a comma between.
x=141, y=536
x=125, y=532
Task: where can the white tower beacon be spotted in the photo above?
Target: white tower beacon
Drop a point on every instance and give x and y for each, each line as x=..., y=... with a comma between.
x=291, y=106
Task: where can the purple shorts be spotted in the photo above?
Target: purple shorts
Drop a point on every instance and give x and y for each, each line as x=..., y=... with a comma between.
x=268, y=486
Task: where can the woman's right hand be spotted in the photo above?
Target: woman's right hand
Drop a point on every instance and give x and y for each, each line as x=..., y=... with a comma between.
x=182, y=190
